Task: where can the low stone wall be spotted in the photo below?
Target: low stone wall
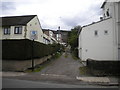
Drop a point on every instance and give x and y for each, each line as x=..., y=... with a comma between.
x=21, y=65
x=103, y=67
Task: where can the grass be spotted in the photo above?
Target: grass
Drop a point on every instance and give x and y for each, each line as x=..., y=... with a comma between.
x=39, y=67
x=66, y=55
x=84, y=70
x=57, y=55
x=74, y=57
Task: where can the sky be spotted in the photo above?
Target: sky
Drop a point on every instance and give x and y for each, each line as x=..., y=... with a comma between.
x=54, y=13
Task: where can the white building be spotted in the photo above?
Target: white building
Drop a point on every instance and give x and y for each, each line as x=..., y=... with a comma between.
x=21, y=27
x=101, y=40
x=49, y=37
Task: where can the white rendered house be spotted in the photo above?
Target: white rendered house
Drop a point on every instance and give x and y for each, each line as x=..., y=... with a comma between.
x=101, y=40
x=21, y=27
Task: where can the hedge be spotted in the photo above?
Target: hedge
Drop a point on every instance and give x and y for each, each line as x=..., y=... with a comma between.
x=22, y=49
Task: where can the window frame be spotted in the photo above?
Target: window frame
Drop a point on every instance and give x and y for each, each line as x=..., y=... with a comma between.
x=6, y=30
x=34, y=34
x=105, y=32
x=18, y=30
x=96, y=33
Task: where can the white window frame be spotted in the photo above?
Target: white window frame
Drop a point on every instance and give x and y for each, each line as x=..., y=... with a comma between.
x=18, y=30
x=6, y=30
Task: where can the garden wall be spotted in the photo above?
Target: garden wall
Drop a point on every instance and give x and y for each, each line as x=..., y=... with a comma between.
x=103, y=67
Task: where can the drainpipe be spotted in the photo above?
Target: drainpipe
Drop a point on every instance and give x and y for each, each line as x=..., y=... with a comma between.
x=25, y=32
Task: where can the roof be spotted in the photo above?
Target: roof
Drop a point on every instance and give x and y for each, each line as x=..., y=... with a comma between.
x=16, y=20
x=47, y=30
x=63, y=30
x=103, y=3
x=96, y=22
x=55, y=32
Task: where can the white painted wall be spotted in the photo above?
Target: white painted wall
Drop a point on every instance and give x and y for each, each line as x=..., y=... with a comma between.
x=102, y=47
x=34, y=25
x=97, y=47
x=46, y=39
x=119, y=40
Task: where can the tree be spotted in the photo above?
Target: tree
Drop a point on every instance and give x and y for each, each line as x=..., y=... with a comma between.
x=73, y=39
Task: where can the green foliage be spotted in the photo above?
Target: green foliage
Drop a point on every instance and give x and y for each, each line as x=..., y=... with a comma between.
x=73, y=39
x=84, y=70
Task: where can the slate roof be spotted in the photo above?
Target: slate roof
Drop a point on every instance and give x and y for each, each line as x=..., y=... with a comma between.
x=103, y=4
x=16, y=20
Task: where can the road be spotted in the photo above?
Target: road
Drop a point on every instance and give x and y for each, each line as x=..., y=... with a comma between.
x=13, y=83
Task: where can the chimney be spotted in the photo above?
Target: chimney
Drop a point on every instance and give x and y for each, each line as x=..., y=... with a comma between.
x=59, y=28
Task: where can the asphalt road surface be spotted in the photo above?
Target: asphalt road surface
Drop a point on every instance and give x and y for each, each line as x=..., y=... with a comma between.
x=13, y=83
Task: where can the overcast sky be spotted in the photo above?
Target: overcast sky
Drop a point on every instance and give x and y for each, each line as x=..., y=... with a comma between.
x=54, y=13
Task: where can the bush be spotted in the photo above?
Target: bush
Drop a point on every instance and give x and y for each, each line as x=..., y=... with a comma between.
x=22, y=49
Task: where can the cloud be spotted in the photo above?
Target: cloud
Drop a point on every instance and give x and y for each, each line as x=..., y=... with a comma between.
x=54, y=13
x=7, y=7
x=90, y=14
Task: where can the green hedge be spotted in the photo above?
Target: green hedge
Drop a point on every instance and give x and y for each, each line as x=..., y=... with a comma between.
x=22, y=49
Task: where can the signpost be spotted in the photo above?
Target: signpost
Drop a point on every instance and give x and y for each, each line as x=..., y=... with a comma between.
x=32, y=57
x=33, y=37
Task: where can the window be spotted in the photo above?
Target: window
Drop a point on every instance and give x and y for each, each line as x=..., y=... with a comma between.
x=7, y=31
x=96, y=33
x=34, y=35
x=18, y=30
x=107, y=13
x=33, y=32
x=105, y=32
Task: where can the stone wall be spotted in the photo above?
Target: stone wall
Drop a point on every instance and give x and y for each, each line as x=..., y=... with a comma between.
x=21, y=65
x=98, y=67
